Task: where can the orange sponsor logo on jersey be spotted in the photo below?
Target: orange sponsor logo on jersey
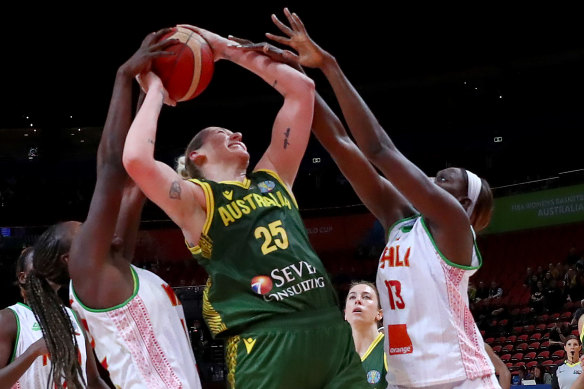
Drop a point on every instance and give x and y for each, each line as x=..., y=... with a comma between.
x=391, y=257
x=399, y=340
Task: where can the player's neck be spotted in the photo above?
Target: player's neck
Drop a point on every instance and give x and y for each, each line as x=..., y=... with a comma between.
x=219, y=173
x=364, y=337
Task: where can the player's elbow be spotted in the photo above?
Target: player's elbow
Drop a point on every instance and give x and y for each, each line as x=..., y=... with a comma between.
x=134, y=163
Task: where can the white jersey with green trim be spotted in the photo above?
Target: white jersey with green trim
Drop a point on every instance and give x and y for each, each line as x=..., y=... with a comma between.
x=431, y=337
x=567, y=373
x=143, y=342
x=29, y=331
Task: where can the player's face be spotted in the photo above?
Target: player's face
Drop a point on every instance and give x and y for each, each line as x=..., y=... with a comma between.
x=222, y=144
x=453, y=181
x=573, y=345
x=362, y=305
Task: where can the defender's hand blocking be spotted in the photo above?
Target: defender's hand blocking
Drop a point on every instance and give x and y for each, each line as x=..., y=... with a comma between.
x=309, y=53
x=275, y=53
x=141, y=60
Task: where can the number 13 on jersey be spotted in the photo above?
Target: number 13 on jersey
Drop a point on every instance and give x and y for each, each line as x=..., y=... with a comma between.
x=394, y=292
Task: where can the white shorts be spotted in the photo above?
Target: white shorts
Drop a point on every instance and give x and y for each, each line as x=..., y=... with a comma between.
x=486, y=382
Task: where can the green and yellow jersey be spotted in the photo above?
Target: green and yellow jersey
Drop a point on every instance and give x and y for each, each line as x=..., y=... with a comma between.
x=256, y=251
x=375, y=364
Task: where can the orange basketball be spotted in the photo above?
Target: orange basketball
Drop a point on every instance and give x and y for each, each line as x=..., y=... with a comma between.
x=187, y=72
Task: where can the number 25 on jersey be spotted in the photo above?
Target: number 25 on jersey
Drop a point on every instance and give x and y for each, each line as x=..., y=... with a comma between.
x=274, y=237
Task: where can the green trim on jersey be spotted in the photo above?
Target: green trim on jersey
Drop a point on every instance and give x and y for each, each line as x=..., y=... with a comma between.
x=475, y=247
x=13, y=357
x=134, y=293
x=255, y=248
x=399, y=222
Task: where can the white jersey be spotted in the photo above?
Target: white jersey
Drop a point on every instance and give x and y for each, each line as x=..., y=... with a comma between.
x=143, y=342
x=567, y=373
x=29, y=331
x=432, y=337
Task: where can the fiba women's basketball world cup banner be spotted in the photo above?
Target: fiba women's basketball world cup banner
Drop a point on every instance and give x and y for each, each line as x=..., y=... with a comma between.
x=538, y=209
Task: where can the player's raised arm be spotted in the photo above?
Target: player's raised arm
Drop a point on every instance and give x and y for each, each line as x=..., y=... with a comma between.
x=91, y=247
x=291, y=128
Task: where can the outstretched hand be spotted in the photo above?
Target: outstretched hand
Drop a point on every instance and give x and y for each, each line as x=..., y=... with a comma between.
x=275, y=53
x=309, y=53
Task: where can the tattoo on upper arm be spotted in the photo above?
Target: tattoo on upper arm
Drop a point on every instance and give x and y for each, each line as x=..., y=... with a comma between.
x=287, y=136
x=175, y=190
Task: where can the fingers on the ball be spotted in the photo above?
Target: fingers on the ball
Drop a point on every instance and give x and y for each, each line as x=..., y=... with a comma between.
x=165, y=44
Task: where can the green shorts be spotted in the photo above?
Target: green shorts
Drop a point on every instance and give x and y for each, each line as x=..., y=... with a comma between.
x=308, y=350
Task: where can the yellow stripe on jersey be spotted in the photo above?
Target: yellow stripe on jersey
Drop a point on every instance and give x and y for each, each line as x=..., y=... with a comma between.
x=372, y=346
x=210, y=202
x=211, y=316
x=582, y=334
x=231, y=358
x=245, y=184
x=277, y=177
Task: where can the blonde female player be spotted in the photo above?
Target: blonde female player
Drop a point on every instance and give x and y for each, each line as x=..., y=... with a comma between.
x=268, y=293
x=423, y=272
x=363, y=312
x=135, y=321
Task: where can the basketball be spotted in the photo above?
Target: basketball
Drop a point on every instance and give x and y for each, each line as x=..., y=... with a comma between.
x=187, y=72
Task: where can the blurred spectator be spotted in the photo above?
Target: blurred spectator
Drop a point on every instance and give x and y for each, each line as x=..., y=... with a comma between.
x=532, y=284
x=556, y=270
x=537, y=299
x=571, y=285
x=554, y=298
x=547, y=279
x=528, y=276
x=495, y=291
x=540, y=375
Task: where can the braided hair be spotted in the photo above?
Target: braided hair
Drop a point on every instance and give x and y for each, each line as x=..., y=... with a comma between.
x=58, y=332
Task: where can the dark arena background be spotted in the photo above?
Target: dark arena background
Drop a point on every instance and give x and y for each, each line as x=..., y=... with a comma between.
x=498, y=90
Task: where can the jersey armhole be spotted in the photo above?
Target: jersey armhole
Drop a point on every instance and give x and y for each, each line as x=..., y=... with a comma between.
x=463, y=267
x=210, y=204
x=97, y=310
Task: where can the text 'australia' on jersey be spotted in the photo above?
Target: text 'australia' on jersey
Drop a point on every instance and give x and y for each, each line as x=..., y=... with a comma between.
x=255, y=248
